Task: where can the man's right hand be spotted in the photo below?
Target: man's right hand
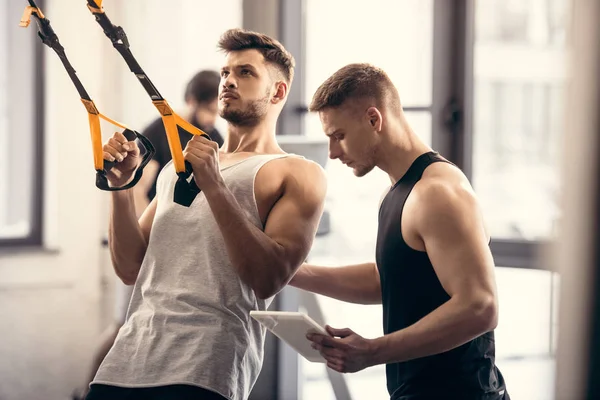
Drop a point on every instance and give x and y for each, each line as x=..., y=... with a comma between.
x=127, y=157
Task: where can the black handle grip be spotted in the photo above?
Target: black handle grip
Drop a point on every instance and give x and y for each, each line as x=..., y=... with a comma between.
x=185, y=192
x=188, y=167
x=102, y=182
x=130, y=136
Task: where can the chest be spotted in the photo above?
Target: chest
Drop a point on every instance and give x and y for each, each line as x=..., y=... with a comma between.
x=397, y=233
x=265, y=179
x=404, y=268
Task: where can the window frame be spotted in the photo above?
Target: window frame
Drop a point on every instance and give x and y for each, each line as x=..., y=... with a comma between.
x=36, y=58
x=512, y=253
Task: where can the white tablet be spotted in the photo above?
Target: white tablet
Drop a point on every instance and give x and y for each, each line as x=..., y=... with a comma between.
x=292, y=328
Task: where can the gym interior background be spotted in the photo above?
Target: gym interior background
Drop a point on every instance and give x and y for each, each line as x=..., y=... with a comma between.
x=507, y=89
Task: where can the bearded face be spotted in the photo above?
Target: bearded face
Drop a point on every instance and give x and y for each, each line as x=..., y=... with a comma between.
x=240, y=112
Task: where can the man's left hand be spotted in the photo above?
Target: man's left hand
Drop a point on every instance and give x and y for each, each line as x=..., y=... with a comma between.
x=203, y=155
x=344, y=350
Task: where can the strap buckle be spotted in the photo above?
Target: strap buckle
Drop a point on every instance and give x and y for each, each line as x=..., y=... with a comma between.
x=26, y=18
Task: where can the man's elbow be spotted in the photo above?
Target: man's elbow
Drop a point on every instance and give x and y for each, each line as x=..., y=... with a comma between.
x=265, y=291
x=127, y=276
x=128, y=282
x=485, y=313
x=127, y=279
x=268, y=287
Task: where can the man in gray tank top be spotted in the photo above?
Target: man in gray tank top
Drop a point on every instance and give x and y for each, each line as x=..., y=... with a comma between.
x=199, y=270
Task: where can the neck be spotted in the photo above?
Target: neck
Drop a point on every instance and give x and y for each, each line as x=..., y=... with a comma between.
x=398, y=150
x=253, y=139
x=189, y=115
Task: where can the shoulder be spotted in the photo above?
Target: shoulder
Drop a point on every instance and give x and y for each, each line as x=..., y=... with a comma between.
x=444, y=196
x=303, y=172
x=291, y=166
x=293, y=184
x=302, y=168
x=300, y=177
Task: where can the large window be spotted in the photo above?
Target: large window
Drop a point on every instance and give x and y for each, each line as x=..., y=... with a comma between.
x=519, y=80
x=332, y=43
x=20, y=129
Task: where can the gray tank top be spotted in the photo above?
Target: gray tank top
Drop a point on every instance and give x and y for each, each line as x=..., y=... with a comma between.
x=188, y=321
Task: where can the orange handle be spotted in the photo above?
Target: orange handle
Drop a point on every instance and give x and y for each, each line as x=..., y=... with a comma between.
x=171, y=120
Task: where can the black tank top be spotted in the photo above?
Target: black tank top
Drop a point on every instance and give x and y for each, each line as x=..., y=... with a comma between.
x=410, y=291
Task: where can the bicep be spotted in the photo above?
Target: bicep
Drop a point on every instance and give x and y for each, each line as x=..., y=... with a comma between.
x=457, y=246
x=293, y=220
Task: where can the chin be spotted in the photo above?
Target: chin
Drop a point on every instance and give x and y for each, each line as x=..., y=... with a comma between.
x=361, y=171
x=224, y=106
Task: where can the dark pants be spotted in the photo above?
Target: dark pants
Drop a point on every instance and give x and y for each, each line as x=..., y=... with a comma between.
x=170, y=392
x=444, y=396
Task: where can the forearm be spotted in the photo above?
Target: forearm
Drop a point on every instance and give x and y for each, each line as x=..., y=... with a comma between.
x=449, y=326
x=126, y=240
x=353, y=284
x=258, y=259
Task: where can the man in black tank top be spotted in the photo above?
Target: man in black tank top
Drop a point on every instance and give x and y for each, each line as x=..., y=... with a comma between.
x=434, y=272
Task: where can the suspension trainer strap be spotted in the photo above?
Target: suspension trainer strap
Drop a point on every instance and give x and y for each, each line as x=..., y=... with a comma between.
x=50, y=39
x=185, y=191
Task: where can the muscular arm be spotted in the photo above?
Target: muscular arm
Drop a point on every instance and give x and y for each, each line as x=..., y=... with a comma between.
x=450, y=225
x=128, y=237
x=353, y=283
x=267, y=260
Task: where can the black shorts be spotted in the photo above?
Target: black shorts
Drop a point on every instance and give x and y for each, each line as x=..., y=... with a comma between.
x=170, y=392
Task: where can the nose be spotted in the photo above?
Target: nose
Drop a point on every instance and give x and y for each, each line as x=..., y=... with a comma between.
x=334, y=150
x=229, y=82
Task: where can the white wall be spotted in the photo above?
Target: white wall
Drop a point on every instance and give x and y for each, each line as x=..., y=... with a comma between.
x=50, y=299
x=180, y=40
x=3, y=109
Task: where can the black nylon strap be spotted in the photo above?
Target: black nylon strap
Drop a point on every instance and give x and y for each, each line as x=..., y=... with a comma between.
x=185, y=192
x=117, y=36
x=50, y=39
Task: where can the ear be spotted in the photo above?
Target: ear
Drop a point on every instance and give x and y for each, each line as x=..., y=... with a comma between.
x=281, y=90
x=375, y=118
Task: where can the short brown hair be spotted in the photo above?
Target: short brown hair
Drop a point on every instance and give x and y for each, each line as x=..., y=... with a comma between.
x=356, y=81
x=271, y=49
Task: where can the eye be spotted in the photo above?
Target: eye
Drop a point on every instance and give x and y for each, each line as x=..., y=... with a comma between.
x=224, y=74
x=246, y=72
